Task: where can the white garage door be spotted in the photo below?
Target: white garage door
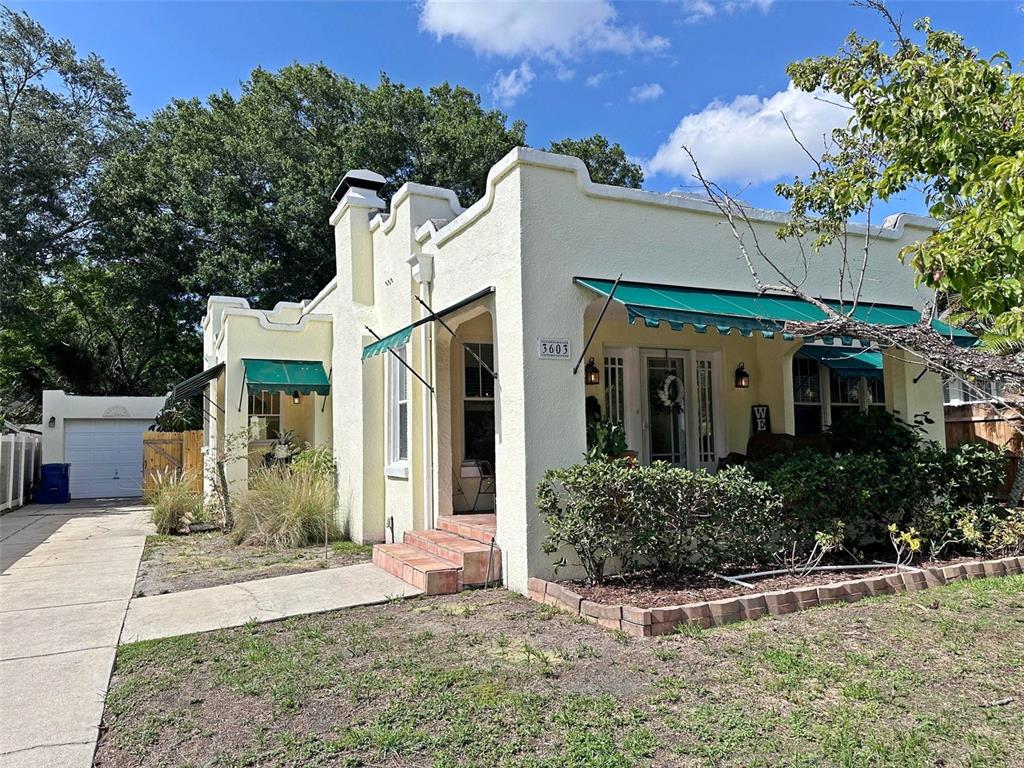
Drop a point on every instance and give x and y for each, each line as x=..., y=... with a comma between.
x=105, y=456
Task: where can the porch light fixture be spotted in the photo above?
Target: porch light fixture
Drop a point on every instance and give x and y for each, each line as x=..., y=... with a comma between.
x=591, y=372
x=295, y=397
x=52, y=422
x=742, y=377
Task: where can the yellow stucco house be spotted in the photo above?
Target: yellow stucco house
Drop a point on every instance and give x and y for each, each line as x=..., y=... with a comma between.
x=448, y=362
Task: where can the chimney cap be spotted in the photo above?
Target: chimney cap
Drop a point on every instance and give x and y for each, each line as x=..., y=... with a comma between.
x=359, y=178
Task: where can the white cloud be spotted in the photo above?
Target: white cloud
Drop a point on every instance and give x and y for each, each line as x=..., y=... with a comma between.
x=550, y=30
x=746, y=140
x=596, y=79
x=648, y=92
x=699, y=10
x=509, y=86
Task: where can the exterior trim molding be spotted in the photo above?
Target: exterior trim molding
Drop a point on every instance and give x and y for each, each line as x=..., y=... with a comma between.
x=892, y=228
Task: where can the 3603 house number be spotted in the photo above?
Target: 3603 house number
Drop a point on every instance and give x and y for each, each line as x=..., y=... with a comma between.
x=557, y=349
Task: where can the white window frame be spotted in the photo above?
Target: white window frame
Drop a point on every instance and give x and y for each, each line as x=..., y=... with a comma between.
x=274, y=396
x=956, y=392
x=397, y=465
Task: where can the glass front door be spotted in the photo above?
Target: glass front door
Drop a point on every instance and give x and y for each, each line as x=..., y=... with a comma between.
x=665, y=408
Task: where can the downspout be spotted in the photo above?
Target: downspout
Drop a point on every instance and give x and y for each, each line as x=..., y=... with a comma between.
x=423, y=274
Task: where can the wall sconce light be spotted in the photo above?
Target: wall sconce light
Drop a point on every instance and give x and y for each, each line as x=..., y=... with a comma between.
x=52, y=422
x=742, y=377
x=591, y=373
x=295, y=397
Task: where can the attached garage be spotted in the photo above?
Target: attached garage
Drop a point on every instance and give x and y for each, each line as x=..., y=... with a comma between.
x=101, y=438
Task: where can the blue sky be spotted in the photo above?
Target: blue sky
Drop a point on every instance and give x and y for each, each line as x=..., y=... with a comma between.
x=649, y=75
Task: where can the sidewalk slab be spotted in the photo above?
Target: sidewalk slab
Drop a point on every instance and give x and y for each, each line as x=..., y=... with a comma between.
x=41, y=631
x=231, y=605
x=52, y=700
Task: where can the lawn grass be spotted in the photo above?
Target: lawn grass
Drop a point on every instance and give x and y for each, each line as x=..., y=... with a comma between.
x=488, y=678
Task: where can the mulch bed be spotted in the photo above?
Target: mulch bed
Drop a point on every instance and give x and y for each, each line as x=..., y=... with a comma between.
x=648, y=590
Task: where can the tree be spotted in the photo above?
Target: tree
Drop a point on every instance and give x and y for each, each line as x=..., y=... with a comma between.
x=607, y=163
x=61, y=118
x=233, y=195
x=930, y=114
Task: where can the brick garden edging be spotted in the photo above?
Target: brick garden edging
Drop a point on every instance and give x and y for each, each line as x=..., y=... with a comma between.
x=648, y=622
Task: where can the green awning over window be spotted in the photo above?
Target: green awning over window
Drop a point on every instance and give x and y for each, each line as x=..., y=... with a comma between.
x=958, y=336
x=396, y=339
x=848, y=363
x=726, y=311
x=302, y=376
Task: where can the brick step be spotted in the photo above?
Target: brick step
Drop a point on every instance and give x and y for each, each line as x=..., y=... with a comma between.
x=476, y=527
x=468, y=554
x=432, y=574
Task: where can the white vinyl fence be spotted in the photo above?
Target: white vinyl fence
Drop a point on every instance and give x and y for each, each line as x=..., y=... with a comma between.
x=20, y=459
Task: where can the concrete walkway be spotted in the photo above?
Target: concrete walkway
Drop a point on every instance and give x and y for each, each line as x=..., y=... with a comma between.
x=231, y=605
x=66, y=575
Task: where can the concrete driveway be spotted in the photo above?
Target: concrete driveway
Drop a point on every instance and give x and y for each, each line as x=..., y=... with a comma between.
x=66, y=576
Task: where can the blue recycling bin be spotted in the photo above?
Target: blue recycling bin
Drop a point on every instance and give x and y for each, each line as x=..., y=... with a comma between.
x=55, y=485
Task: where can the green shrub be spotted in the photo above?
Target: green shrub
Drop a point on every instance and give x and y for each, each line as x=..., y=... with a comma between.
x=974, y=472
x=859, y=490
x=605, y=440
x=670, y=518
x=285, y=509
x=175, y=502
x=318, y=461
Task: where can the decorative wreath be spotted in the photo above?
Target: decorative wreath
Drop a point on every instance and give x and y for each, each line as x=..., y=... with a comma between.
x=670, y=393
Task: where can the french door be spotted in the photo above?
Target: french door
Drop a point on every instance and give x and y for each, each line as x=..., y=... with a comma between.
x=669, y=402
x=664, y=409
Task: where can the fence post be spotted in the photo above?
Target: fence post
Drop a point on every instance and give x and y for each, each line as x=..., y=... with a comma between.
x=9, y=480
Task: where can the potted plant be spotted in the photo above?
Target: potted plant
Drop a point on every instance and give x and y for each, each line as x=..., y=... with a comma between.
x=283, y=445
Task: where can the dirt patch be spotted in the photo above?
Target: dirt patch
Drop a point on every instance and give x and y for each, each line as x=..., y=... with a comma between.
x=647, y=590
x=490, y=678
x=178, y=563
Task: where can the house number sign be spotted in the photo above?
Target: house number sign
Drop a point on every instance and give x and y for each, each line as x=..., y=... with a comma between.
x=553, y=349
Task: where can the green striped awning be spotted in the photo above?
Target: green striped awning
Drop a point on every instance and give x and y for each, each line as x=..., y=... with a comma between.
x=402, y=335
x=302, y=376
x=396, y=339
x=848, y=363
x=701, y=308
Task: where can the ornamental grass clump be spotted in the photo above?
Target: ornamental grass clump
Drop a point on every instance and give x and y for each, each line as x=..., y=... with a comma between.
x=175, y=502
x=284, y=509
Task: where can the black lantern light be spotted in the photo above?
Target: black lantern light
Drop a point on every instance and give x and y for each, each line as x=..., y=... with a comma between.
x=591, y=372
x=742, y=377
x=295, y=397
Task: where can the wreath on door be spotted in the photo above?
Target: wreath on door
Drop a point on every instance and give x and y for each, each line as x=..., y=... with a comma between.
x=670, y=393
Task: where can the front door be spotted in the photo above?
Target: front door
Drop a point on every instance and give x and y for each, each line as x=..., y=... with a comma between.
x=664, y=407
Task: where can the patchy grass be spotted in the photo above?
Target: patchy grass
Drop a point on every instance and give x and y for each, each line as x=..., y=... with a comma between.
x=488, y=678
x=177, y=563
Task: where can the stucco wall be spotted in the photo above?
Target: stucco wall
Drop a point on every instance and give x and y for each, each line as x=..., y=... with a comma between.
x=60, y=406
x=284, y=333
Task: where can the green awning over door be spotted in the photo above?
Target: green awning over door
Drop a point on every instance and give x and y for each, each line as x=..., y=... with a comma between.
x=848, y=363
x=726, y=311
x=302, y=376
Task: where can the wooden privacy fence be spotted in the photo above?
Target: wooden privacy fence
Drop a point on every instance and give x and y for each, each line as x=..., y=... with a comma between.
x=164, y=452
x=987, y=423
x=20, y=458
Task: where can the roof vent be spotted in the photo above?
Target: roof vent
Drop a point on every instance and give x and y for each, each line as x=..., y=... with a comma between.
x=359, y=179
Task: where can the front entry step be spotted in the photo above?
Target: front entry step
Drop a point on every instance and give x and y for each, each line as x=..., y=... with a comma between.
x=470, y=555
x=442, y=561
x=476, y=527
x=430, y=573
